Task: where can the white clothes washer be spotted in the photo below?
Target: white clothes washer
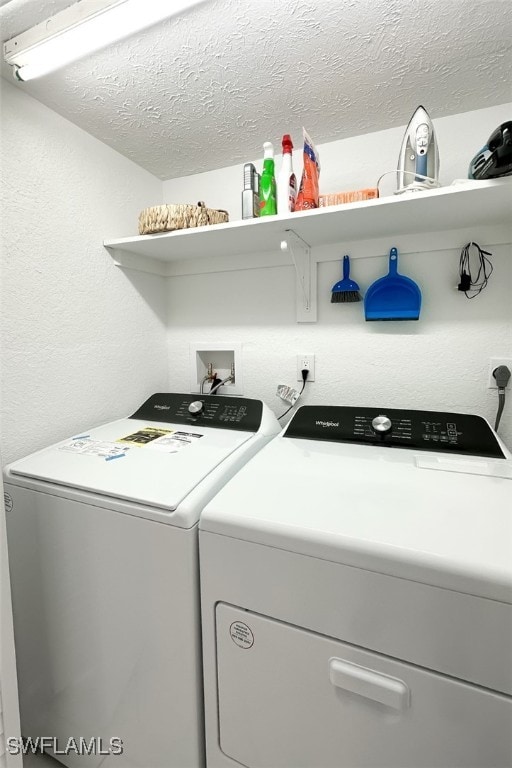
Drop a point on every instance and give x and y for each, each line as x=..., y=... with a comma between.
x=356, y=592
x=102, y=532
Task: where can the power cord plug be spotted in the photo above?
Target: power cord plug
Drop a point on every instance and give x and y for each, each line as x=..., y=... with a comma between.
x=502, y=376
x=305, y=374
x=465, y=282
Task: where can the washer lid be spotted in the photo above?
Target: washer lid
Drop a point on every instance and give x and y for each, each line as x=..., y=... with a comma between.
x=149, y=462
x=438, y=519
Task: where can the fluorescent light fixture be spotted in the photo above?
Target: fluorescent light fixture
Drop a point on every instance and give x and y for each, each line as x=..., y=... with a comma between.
x=83, y=28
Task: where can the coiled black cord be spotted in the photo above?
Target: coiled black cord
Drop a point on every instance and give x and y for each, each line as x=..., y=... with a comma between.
x=485, y=270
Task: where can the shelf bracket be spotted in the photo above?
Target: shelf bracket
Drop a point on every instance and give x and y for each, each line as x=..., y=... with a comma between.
x=306, y=276
x=127, y=260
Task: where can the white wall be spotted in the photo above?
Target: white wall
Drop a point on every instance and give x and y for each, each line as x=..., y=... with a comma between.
x=82, y=342
x=441, y=362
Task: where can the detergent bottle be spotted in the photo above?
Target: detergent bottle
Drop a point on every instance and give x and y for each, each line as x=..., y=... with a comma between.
x=286, y=181
x=268, y=196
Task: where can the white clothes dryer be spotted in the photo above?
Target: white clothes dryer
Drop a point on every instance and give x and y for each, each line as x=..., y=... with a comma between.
x=356, y=580
x=102, y=531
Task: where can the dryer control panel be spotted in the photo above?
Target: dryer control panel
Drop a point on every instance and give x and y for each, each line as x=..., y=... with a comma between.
x=239, y=413
x=420, y=430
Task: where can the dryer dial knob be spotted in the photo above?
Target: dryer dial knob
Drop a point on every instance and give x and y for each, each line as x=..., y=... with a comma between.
x=196, y=407
x=381, y=425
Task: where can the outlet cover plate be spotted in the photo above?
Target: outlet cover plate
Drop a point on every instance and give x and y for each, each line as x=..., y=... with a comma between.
x=306, y=361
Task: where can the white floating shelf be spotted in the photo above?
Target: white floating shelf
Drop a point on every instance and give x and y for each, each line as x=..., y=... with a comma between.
x=454, y=207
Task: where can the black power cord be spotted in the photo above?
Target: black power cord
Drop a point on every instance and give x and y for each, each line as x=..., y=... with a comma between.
x=485, y=270
x=502, y=376
x=305, y=374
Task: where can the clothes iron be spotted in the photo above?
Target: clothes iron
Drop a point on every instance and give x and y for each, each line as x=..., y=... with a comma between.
x=418, y=163
x=495, y=159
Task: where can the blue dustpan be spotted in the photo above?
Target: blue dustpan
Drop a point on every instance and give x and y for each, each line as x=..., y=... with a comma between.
x=393, y=297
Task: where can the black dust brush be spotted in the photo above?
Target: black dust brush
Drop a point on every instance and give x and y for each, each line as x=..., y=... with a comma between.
x=345, y=290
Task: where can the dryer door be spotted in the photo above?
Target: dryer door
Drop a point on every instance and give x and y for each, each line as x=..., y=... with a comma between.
x=294, y=699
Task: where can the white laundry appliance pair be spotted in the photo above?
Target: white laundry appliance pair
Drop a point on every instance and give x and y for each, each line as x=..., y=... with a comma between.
x=103, y=545
x=356, y=584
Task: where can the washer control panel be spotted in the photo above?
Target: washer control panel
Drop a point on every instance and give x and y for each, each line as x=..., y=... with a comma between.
x=420, y=430
x=238, y=413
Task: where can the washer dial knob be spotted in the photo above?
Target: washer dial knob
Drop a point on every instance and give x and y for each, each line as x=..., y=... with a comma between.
x=381, y=425
x=196, y=407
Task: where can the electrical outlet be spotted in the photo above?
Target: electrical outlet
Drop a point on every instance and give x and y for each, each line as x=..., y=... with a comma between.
x=308, y=362
x=494, y=362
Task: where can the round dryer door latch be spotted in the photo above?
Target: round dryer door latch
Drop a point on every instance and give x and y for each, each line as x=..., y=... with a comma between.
x=381, y=425
x=196, y=407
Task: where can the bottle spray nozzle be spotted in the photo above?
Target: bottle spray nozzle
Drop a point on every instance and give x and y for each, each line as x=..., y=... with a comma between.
x=287, y=143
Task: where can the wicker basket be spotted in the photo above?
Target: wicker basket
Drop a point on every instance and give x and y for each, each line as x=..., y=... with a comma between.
x=165, y=218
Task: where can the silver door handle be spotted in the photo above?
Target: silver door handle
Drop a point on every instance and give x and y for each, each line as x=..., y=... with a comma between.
x=372, y=685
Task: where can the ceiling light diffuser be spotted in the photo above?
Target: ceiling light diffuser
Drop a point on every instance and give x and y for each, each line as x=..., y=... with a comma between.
x=83, y=28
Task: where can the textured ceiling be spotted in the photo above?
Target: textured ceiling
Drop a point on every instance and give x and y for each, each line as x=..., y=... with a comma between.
x=205, y=90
